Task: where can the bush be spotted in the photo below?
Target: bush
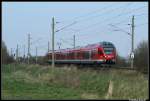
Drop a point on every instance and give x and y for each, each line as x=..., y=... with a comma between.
x=141, y=57
x=121, y=61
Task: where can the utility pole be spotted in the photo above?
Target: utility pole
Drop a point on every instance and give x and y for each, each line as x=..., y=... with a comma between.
x=132, y=43
x=74, y=45
x=36, y=55
x=11, y=52
x=53, y=61
x=74, y=41
x=24, y=53
x=28, y=47
x=48, y=46
x=17, y=54
x=132, y=40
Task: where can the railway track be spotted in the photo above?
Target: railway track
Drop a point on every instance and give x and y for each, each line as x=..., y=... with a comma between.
x=95, y=67
x=109, y=68
x=92, y=67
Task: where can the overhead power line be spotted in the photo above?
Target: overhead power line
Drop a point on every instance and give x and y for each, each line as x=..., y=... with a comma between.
x=102, y=14
x=119, y=29
x=122, y=21
x=66, y=26
x=93, y=25
x=99, y=11
x=112, y=18
x=89, y=13
x=110, y=10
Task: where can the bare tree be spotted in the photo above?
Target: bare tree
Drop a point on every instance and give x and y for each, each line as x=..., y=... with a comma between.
x=141, y=57
x=4, y=55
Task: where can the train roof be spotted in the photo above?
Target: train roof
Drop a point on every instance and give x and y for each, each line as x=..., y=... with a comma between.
x=104, y=43
x=89, y=46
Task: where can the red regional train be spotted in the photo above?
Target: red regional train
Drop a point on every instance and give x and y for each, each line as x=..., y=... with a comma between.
x=100, y=53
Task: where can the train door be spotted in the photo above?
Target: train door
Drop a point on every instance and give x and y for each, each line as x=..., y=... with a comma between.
x=86, y=55
x=94, y=54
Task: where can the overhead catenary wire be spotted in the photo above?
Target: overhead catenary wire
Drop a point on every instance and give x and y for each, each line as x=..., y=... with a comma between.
x=118, y=29
x=102, y=9
x=122, y=21
x=88, y=14
x=106, y=20
x=117, y=16
x=93, y=25
x=125, y=20
x=65, y=26
x=101, y=14
x=78, y=21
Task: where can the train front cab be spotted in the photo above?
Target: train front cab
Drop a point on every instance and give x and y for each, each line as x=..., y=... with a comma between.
x=110, y=55
x=107, y=55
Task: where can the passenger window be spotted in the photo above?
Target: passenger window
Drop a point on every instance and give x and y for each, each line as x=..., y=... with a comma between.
x=86, y=55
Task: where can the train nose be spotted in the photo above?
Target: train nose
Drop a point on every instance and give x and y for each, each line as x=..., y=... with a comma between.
x=109, y=57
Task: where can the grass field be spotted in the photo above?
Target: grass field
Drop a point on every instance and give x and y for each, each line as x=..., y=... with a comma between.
x=40, y=82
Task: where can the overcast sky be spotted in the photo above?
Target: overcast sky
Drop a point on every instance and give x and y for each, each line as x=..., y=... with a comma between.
x=90, y=22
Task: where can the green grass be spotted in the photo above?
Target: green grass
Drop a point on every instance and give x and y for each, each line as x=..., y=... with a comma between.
x=40, y=82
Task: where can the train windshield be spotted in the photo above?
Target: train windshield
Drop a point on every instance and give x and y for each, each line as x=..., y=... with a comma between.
x=108, y=50
x=108, y=47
